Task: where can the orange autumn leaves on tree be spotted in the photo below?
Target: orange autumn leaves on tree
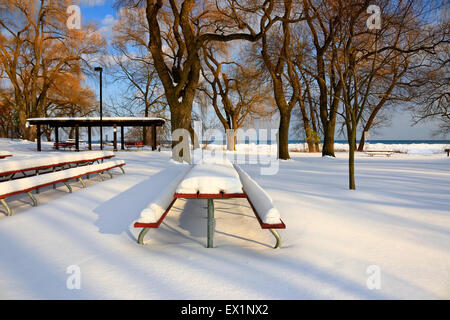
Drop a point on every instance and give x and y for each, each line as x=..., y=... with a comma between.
x=36, y=49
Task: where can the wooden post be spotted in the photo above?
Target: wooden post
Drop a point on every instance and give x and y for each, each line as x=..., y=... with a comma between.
x=77, y=138
x=154, y=137
x=122, y=142
x=38, y=136
x=56, y=138
x=115, y=136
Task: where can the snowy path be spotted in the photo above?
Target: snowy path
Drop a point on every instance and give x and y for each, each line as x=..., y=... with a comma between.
x=398, y=219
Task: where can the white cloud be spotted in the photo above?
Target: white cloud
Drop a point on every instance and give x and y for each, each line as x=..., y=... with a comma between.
x=92, y=3
x=107, y=25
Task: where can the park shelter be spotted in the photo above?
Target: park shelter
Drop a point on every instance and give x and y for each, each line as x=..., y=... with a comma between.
x=89, y=122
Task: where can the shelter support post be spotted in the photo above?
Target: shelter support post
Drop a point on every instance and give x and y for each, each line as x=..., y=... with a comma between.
x=77, y=137
x=38, y=137
x=56, y=138
x=122, y=142
x=89, y=138
x=153, y=137
x=115, y=136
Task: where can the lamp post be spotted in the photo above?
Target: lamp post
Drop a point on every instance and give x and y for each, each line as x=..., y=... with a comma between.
x=100, y=69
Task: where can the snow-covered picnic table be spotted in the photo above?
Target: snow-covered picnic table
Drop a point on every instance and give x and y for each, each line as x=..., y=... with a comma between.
x=9, y=168
x=212, y=180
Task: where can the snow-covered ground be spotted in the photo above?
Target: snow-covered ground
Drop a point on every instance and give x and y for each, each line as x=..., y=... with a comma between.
x=397, y=220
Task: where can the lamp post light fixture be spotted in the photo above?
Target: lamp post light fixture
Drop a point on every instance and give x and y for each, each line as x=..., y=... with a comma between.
x=100, y=69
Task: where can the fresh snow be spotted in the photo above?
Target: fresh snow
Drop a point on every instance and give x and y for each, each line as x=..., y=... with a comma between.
x=398, y=220
x=161, y=200
x=260, y=199
x=413, y=148
x=211, y=177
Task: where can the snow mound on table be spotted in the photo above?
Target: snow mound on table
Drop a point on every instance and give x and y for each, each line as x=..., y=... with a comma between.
x=260, y=199
x=211, y=177
x=162, y=200
x=8, y=187
x=23, y=164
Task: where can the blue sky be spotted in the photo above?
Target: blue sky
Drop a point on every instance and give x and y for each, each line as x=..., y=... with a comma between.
x=103, y=13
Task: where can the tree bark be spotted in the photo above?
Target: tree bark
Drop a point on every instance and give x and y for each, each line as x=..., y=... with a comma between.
x=351, y=158
x=283, y=135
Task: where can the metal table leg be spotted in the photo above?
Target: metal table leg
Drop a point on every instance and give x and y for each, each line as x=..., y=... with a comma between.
x=277, y=236
x=211, y=223
x=142, y=235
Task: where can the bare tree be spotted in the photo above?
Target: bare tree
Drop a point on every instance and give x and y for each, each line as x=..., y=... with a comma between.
x=179, y=29
x=133, y=65
x=243, y=92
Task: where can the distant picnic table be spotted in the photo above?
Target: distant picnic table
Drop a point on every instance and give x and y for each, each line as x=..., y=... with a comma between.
x=134, y=144
x=64, y=145
x=386, y=153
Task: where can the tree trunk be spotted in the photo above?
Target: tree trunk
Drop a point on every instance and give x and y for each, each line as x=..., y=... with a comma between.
x=328, y=141
x=180, y=118
x=283, y=135
x=308, y=131
x=351, y=157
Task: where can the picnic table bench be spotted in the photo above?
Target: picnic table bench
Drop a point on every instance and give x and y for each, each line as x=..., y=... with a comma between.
x=5, y=154
x=372, y=153
x=222, y=181
x=26, y=185
x=11, y=168
x=64, y=145
x=134, y=144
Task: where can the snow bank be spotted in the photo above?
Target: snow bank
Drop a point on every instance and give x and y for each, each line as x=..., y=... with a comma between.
x=162, y=199
x=12, y=186
x=260, y=199
x=411, y=148
x=54, y=159
x=211, y=177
